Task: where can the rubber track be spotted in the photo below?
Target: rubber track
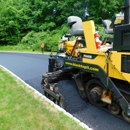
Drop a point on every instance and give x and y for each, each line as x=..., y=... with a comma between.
x=119, y=115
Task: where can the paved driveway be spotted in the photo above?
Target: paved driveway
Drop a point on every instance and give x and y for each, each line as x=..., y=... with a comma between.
x=30, y=68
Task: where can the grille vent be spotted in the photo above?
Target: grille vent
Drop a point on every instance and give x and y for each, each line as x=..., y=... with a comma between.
x=125, y=63
x=125, y=38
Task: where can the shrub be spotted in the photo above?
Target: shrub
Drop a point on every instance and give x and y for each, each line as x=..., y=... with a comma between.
x=33, y=39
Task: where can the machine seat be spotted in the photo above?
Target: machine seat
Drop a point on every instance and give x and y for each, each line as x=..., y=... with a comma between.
x=106, y=24
x=75, y=26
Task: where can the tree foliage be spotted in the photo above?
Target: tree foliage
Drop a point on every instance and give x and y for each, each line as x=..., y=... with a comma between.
x=104, y=9
x=19, y=19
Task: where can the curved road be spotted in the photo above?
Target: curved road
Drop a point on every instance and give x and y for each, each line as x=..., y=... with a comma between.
x=30, y=68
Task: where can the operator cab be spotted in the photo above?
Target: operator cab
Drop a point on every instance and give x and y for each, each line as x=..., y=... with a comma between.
x=75, y=26
x=76, y=29
x=109, y=26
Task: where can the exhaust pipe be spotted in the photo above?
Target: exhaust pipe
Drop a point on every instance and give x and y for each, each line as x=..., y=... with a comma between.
x=126, y=9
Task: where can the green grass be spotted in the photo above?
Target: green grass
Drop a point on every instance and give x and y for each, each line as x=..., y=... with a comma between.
x=18, y=47
x=22, y=109
x=21, y=48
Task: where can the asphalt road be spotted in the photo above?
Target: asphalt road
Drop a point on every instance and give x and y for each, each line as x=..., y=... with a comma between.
x=30, y=68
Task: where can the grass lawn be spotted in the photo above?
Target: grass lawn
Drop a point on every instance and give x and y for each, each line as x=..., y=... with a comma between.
x=21, y=48
x=22, y=109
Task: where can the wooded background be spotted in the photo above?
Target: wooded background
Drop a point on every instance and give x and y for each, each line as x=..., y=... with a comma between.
x=32, y=22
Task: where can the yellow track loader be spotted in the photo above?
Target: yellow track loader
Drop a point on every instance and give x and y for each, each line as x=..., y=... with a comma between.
x=100, y=69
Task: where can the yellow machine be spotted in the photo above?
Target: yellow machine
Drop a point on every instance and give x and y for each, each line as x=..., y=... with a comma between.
x=66, y=45
x=101, y=70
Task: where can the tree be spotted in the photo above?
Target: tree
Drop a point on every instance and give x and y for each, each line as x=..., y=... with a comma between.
x=104, y=9
x=19, y=17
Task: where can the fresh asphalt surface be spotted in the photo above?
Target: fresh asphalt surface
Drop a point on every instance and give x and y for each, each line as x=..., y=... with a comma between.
x=30, y=68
